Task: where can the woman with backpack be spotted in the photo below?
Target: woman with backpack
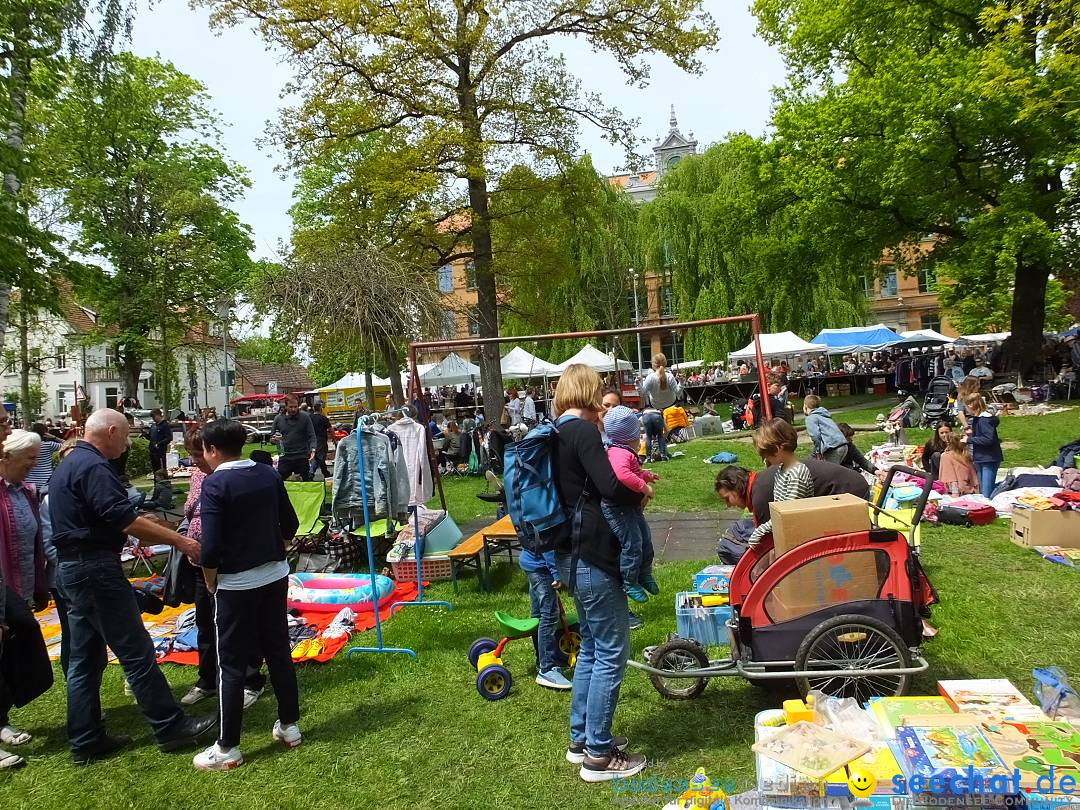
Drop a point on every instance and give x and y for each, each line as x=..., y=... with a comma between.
x=588, y=564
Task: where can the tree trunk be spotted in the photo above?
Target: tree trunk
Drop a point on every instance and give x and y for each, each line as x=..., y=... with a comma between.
x=130, y=369
x=390, y=358
x=24, y=367
x=369, y=391
x=1025, y=345
x=18, y=74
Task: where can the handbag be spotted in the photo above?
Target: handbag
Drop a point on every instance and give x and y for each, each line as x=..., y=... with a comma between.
x=179, y=579
x=966, y=516
x=316, y=564
x=344, y=550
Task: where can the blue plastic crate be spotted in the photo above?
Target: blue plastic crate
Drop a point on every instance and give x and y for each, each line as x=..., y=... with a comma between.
x=705, y=625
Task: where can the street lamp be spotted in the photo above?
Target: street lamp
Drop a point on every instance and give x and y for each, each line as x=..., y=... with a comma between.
x=224, y=309
x=637, y=320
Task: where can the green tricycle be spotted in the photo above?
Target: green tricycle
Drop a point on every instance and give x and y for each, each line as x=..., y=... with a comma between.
x=493, y=679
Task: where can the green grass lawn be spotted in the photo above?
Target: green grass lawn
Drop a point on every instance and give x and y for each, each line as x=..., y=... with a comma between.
x=388, y=732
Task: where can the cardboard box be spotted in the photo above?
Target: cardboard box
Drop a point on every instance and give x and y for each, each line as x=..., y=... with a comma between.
x=795, y=522
x=713, y=579
x=1031, y=527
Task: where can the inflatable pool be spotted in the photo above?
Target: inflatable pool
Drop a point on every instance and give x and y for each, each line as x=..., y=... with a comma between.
x=332, y=592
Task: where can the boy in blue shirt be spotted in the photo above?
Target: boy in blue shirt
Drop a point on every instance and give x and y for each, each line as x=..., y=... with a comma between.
x=246, y=521
x=543, y=583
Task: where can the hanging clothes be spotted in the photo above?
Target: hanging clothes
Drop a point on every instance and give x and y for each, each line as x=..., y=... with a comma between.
x=415, y=448
x=385, y=476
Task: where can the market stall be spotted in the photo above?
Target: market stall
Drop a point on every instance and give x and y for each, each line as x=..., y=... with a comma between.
x=854, y=339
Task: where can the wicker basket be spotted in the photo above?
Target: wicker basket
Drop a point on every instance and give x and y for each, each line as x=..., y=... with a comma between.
x=433, y=568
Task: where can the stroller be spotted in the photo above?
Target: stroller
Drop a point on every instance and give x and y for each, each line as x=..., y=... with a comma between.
x=937, y=404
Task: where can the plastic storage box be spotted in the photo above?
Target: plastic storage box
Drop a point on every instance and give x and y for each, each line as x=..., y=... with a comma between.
x=433, y=568
x=705, y=625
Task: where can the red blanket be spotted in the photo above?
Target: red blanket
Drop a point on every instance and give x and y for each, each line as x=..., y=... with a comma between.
x=403, y=592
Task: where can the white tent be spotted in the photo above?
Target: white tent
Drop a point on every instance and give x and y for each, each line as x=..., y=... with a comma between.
x=992, y=337
x=779, y=344
x=355, y=380
x=519, y=363
x=687, y=364
x=923, y=337
x=593, y=358
x=452, y=370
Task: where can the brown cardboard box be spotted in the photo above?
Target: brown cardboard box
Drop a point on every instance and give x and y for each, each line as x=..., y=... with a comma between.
x=795, y=522
x=1031, y=527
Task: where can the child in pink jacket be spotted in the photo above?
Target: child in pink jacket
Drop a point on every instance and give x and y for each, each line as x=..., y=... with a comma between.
x=628, y=522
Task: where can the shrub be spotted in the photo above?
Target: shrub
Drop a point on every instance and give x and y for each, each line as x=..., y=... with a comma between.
x=138, y=462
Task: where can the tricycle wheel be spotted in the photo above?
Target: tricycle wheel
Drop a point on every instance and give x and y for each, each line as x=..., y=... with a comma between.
x=494, y=682
x=853, y=642
x=679, y=655
x=567, y=644
x=479, y=647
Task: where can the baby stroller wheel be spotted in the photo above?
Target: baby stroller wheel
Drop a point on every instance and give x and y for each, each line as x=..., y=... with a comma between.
x=679, y=655
x=857, y=643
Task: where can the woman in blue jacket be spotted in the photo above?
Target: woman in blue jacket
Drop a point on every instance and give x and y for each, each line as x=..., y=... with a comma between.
x=985, y=444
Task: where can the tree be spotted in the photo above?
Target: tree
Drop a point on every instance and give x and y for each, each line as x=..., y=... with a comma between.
x=137, y=164
x=350, y=300
x=271, y=349
x=956, y=119
x=459, y=89
x=734, y=238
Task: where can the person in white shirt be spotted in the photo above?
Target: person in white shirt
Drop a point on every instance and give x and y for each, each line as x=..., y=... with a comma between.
x=981, y=371
x=514, y=407
x=528, y=409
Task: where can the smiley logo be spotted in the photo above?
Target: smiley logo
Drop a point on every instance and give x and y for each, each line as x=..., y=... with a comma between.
x=861, y=783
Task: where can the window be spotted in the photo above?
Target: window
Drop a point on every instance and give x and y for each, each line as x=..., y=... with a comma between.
x=888, y=285
x=672, y=347
x=474, y=322
x=446, y=278
x=60, y=352
x=667, y=301
x=112, y=357
x=112, y=396
x=927, y=279
x=150, y=383
x=868, y=286
x=931, y=320
x=62, y=401
x=232, y=379
x=470, y=276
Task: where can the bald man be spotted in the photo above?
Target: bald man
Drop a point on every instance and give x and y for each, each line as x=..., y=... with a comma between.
x=91, y=518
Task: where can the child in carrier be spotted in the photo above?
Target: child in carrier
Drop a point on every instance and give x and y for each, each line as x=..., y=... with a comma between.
x=628, y=522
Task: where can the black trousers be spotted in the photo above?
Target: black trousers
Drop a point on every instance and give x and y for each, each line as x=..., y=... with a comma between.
x=157, y=459
x=246, y=621
x=320, y=457
x=25, y=669
x=287, y=465
x=208, y=660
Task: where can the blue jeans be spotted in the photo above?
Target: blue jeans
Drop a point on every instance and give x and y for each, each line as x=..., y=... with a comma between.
x=545, y=607
x=987, y=471
x=102, y=611
x=635, y=540
x=654, y=430
x=601, y=661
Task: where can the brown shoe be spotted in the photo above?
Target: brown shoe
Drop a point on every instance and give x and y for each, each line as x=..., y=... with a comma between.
x=603, y=769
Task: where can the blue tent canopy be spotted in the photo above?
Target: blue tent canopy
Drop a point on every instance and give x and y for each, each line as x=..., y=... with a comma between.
x=857, y=339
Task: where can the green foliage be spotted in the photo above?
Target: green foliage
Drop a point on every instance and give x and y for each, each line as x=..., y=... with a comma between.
x=34, y=405
x=173, y=243
x=269, y=349
x=955, y=119
x=565, y=246
x=138, y=460
x=735, y=239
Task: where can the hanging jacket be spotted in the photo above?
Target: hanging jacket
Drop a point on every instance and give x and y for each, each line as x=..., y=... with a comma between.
x=384, y=476
x=824, y=432
x=414, y=446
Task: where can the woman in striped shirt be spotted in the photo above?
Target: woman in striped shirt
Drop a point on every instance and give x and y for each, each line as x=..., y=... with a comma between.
x=775, y=442
x=43, y=469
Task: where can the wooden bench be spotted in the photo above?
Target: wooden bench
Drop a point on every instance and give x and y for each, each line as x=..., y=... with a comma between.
x=467, y=554
x=500, y=536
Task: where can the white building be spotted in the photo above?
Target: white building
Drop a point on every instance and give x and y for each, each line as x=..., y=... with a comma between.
x=61, y=364
x=668, y=152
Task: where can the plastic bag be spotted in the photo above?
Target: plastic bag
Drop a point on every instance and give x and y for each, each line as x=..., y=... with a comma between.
x=1055, y=696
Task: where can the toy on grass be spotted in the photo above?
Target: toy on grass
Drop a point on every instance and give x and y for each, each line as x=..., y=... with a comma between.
x=701, y=795
x=329, y=593
x=493, y=679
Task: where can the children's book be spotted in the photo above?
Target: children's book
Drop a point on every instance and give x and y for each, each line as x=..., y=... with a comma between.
x=811, y=749
x=990, y=697
x=891, y=711
x=1036, y=750
x=882, y=764
x=947, y=751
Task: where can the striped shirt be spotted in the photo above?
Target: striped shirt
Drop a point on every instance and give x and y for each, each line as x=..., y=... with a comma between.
x=792, y=483
x=42, y=470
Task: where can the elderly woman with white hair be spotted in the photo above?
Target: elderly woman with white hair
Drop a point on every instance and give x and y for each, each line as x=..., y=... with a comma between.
x=25, y=670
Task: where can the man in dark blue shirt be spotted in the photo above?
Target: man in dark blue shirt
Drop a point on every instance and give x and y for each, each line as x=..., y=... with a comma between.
x=292, y=429
x=160, y=439
x=91, y=518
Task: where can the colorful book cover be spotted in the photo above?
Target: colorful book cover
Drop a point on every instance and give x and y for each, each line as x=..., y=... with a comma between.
x=891, y=711
x=811, y=749
x=990, y=697
x=947, y=751
x=1036, y=750
x=882, y=764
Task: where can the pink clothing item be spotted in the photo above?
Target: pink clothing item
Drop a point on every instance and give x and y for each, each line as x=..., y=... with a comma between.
x=628, y=469
x=192, y=511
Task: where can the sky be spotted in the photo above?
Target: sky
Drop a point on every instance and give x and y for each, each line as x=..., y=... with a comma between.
x=245, y=81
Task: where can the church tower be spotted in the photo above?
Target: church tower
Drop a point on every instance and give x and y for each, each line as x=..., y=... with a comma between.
x=674, y=147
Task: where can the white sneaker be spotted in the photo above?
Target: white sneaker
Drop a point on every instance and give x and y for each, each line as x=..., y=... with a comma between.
x=289, y=736
x=196, y=694
x=127, y=689
x=214, y=759
x=250, y=696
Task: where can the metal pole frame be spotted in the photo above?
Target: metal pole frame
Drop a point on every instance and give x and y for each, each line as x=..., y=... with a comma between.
x=467, y=343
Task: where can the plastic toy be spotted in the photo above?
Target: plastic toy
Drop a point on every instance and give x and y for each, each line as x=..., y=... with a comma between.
x=493, y=680
x=701, y=795
x=332, y=592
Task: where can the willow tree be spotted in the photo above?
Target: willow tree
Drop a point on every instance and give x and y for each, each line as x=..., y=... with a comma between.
x=955, y=118
x=462, y=89
x=728, y=230
x=565, y=246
